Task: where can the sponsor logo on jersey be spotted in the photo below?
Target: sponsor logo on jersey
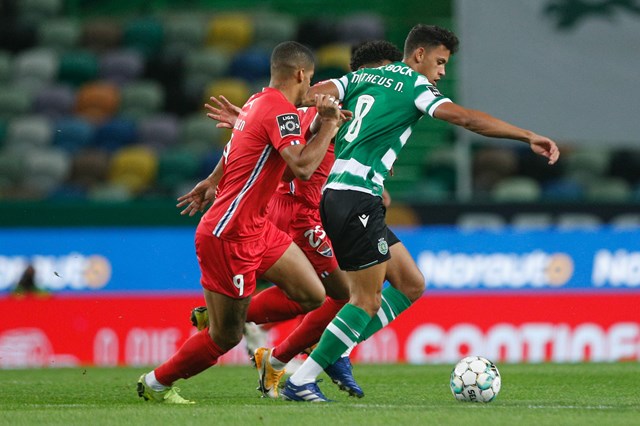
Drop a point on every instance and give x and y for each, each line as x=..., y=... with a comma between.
x=383, y=247
x=325, y=249
x=435, y=91
x=289, y=124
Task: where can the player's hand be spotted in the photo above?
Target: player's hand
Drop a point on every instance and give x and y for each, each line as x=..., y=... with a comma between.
x=345, y=115
x=545, y=147
x=225, y=112
x=328, y=108
x=198, y=198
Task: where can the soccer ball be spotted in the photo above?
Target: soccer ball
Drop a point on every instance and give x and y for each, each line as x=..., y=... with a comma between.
x=475, y=379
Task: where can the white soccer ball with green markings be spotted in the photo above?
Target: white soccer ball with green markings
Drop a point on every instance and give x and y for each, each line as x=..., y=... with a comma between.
x=475, y=379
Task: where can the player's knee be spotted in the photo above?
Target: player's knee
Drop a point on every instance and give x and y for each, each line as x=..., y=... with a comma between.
x=416, y=286
x=226, y=339
x=314, y=301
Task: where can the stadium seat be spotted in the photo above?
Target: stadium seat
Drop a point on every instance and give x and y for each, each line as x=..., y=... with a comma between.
x=29, y=131
x=134, y=167
x=6, y=66
x=89, y=168
x=146, y=35
x=60, y=34
x=271, y=29
x=78, y=67
x=11, y=168
x=101, y=35
x=230, y=31
x=490, y=164
x=577, y=221
x=609, y=189
x=35, y=68
x=591, y=161
x=625, y=221
x=141, y=98
x=357, y=28
x=236, y=90
x=334, y=55
x=532, y=221
x=177, y=166
x=480, y=221
x=14, y=100
x=37, y=10
x=184, y=31
x=46, y=169
x=54, y=101
x=207, y=63
x=73, y=134
x=563, y=189
x=97, y=101
x=116, y=134
x=516, y=189
x=251, y=64
x=625, y=163
x=159, y=131
x=200, y=134
x=109, y=192
x=121, y=66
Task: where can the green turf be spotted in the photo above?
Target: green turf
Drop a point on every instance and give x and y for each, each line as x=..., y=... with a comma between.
x=546, y=394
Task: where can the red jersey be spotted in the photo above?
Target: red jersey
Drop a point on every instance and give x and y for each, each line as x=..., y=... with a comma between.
x=309, y=192
x=252, y=166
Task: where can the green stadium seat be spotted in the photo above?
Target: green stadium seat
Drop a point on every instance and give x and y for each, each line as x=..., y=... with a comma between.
x=60, y=34
x=200, y=133
x=78, y=67
x=46, y=169
x=36, y=10
x=14, y=100
x=145, y=35
x=609, y=189
x=516, y=189
x=184, y=31
x=6, y=66
x=35, y=68
x=141, y=98
x=11, y=168
x=177, y=166
x=271, y=29
x=29, y=131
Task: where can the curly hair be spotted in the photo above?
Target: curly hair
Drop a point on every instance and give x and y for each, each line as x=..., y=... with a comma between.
x=371, y=52
x=429, y=36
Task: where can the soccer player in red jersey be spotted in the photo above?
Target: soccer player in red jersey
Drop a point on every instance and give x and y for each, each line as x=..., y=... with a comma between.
x=234, y=240
x=295, y=209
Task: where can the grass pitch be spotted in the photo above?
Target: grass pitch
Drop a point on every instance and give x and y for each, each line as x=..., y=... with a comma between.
x=543, y=394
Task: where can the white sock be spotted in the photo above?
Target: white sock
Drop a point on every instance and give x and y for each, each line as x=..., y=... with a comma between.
x=348, y=351
x=307, y=373
x=153, y=383
x=275, y=362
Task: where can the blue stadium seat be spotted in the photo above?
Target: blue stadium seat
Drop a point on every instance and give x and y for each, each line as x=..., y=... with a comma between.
x=251, y=64
x=115, y=134
x=73, y=134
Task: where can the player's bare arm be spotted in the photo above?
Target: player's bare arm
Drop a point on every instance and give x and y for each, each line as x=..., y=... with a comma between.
x=326, y=88
x=487, y=125
x=303, y=160
x=224, y=112
x=203, y=194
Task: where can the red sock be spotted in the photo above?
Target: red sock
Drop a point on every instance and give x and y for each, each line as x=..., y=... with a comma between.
x=309, y=331
x=272, y=305
x=197, y=354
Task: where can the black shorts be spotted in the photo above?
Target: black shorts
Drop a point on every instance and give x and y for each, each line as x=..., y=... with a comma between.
x=355, y=224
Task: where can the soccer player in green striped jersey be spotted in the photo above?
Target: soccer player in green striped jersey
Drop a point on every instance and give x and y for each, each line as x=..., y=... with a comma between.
x=386, y=103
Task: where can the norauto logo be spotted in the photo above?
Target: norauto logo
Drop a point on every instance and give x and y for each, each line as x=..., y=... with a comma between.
x=74, y=271
x=495, y=270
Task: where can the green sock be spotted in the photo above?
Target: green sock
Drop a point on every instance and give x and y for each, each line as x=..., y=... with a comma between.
x=343, y=332
x=393, y=303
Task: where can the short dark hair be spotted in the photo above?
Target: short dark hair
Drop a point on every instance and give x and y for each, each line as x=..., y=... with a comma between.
x=290, y=55
x=430, y=36
x=371, y=52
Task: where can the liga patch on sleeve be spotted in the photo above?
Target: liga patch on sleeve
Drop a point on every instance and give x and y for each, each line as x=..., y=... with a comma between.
x=289, y=124
x=435, y=91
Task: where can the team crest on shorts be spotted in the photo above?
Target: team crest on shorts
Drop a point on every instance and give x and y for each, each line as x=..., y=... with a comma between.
x=383, y=247
x=325, y=249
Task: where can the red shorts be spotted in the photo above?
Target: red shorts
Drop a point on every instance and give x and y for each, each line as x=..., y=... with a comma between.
x=231, y=267
x=305, y=227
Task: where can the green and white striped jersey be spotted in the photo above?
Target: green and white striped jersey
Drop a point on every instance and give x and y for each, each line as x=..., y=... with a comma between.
x=386, y=102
